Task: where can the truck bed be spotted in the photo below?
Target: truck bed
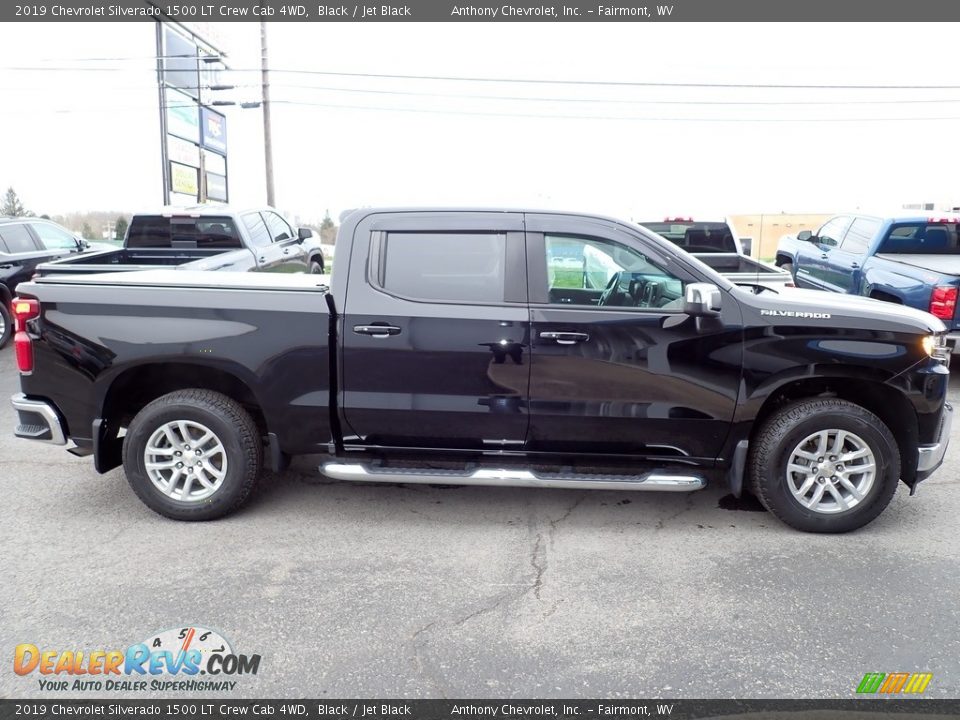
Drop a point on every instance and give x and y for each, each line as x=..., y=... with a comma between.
x=126, y=260
x=739, y=268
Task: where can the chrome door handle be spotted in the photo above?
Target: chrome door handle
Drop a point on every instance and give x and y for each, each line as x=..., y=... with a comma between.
x=377, y=331
x=565, y=338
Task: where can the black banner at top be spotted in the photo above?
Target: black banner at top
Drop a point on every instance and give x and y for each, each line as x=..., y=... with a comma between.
x=212, y=708
x=483, y=11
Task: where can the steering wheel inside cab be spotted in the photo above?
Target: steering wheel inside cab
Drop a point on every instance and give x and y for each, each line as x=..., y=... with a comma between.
x=626, y=289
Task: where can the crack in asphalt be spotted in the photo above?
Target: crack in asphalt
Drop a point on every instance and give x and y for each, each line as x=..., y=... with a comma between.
x=687, y=507
x=419, y=666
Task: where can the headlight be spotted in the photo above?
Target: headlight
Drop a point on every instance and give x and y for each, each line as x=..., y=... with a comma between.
x=936, y=347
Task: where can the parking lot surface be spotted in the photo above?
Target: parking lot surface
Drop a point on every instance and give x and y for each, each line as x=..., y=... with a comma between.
x=407, y=590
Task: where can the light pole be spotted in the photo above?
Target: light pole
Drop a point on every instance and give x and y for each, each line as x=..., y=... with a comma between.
x=265, y=91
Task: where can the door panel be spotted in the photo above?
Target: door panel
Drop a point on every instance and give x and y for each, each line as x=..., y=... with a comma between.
x=635, y=376
x=828, y=241
x=442, y=373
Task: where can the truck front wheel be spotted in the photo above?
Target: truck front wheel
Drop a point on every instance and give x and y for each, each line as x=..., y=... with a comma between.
x=192, y=455
x=824, y=465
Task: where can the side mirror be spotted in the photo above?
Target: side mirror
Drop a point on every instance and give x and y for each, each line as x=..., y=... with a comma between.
x=701, y=300
x=304, y=233
x=747, y=245
x=804, y=236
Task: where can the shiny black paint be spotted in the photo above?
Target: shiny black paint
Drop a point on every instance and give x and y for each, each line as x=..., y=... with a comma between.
x=476, y=379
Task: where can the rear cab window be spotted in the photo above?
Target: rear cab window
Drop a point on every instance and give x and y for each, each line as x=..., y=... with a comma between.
x=696, y=237
x=158, y=231
x=931, y=237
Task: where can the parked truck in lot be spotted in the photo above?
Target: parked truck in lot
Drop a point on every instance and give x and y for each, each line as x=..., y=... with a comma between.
x=206, y=237
x=457, y=347
x=716, y=244
x=906, y=258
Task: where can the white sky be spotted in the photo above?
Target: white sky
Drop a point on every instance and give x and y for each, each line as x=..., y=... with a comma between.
x=89, y=140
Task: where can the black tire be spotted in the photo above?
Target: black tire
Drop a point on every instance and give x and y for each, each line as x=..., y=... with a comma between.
x=316, y=266
x=6, y=323
x=788, y=267
x=232, y=426
x=782, y=432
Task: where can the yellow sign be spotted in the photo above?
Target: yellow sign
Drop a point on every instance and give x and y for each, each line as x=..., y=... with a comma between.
x=183, y=179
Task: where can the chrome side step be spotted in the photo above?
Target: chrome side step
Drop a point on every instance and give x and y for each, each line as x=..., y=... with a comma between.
x=651, y=481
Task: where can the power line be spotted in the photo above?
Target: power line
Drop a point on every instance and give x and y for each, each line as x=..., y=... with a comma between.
x=526, y=81
x=554, y=116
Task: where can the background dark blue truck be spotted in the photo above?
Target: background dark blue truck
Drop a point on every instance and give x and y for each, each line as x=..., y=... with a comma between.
x=910, y=259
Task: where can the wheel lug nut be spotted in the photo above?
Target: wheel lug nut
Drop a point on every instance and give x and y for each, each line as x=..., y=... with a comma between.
x=839, y=467
x=178, y=453
x=832, y=458
x=818, y=459
x=179, y=465
x=198, y=452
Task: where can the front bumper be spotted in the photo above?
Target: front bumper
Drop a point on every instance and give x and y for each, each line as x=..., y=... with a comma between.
x=931, y=456
x=37, y=420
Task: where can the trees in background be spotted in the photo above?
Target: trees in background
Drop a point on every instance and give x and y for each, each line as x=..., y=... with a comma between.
x=12, y=206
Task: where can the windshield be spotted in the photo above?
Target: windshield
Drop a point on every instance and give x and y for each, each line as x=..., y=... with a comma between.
x=922, y=238
x=696, y=237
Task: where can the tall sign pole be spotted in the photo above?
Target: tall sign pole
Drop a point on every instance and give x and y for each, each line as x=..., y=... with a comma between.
x=267, y=135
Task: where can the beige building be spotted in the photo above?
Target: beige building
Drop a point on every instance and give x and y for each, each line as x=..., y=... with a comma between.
x=766, y=229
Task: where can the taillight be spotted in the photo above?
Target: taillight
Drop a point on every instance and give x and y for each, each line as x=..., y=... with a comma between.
x=24, y=351
x=943, y=302
x=24, y=309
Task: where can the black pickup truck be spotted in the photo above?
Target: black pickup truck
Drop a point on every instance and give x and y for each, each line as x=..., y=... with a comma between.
x=462, y=347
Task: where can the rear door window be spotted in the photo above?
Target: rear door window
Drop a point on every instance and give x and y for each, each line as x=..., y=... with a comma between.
x=922, y=238
x=445, y=267
x=259, y=235
x=860, y=235
x=156, y=231
x=279, y=229
x=17, y=238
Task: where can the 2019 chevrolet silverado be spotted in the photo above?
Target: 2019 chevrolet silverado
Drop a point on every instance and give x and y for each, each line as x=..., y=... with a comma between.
x=205, y=237
x=455, y=347
x=907, y=258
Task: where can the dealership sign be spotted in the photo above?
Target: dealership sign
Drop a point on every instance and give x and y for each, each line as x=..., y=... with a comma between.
x=214, y=130
x=183, y=179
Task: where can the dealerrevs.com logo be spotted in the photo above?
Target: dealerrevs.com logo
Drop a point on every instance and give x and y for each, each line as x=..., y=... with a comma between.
x=190, y=658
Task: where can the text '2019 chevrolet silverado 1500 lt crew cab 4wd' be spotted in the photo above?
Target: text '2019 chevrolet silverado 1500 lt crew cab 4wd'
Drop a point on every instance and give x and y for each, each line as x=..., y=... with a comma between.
x=451, y=347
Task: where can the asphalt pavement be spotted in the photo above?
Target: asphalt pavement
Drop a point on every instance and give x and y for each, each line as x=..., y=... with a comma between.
x=417, y=591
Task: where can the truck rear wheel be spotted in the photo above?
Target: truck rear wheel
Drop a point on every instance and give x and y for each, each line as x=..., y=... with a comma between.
x=824, y=465
x=192, y=455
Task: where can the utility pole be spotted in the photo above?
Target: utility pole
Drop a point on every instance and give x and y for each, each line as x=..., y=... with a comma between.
x=267, y=135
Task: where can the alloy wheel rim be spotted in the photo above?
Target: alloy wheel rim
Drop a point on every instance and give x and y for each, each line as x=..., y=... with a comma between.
x=185, y=460
x=831, y=471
